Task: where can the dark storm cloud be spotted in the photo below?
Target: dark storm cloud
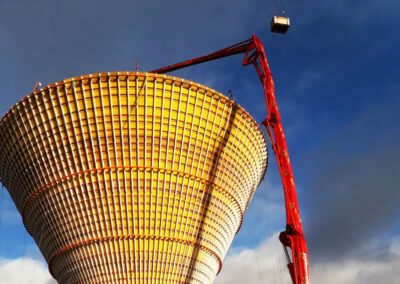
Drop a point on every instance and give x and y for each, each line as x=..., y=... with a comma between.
x=354, y=198
x=52, y=40
x=354, y=195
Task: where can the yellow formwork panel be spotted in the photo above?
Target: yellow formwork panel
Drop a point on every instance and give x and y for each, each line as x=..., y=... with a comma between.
x=131, y=177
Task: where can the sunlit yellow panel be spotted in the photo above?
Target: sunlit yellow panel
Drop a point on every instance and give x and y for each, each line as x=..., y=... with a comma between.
x=131, y=177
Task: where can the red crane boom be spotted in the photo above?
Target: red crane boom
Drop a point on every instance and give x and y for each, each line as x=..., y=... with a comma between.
x=293, y=236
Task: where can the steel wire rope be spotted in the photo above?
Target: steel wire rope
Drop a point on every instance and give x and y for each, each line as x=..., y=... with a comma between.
x=258, y=267
x=1, y=215
x=275, y=256
x=23, y=258
x=281, y=266
x=275, y=7
x=273, y=262
x=24, y=253
x=136, y=98
x=273, y=246
x=1, y=209
x=32, y=276
x=270, y=247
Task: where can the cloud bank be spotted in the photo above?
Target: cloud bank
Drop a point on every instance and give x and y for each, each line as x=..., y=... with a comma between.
x=265, y=264
x=353, y=197
x=24, y=270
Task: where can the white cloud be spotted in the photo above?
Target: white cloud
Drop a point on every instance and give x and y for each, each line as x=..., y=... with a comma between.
x=263, y=264
x=265, y=214
x=24, y=270
x=266, y=264
x=366, y=270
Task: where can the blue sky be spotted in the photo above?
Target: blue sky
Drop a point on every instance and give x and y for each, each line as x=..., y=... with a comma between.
x=336, y=74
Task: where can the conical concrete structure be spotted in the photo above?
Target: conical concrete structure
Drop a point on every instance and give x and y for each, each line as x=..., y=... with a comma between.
x=131, y=177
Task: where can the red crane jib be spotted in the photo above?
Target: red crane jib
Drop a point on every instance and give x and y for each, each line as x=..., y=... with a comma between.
x=293, y=236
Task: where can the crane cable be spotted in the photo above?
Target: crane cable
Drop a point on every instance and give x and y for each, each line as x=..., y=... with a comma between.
x=1, y=211
x=281, y=266
x=258, y=267
x=23, y=260
x=275, y=8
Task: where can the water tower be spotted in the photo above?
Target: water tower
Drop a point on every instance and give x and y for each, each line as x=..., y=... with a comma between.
x=131, y=177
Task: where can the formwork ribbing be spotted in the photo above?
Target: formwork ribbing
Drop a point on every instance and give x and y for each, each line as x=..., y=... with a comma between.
x=131, y=177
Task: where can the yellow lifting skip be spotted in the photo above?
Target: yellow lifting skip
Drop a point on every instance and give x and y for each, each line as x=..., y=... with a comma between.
x=279, y=24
